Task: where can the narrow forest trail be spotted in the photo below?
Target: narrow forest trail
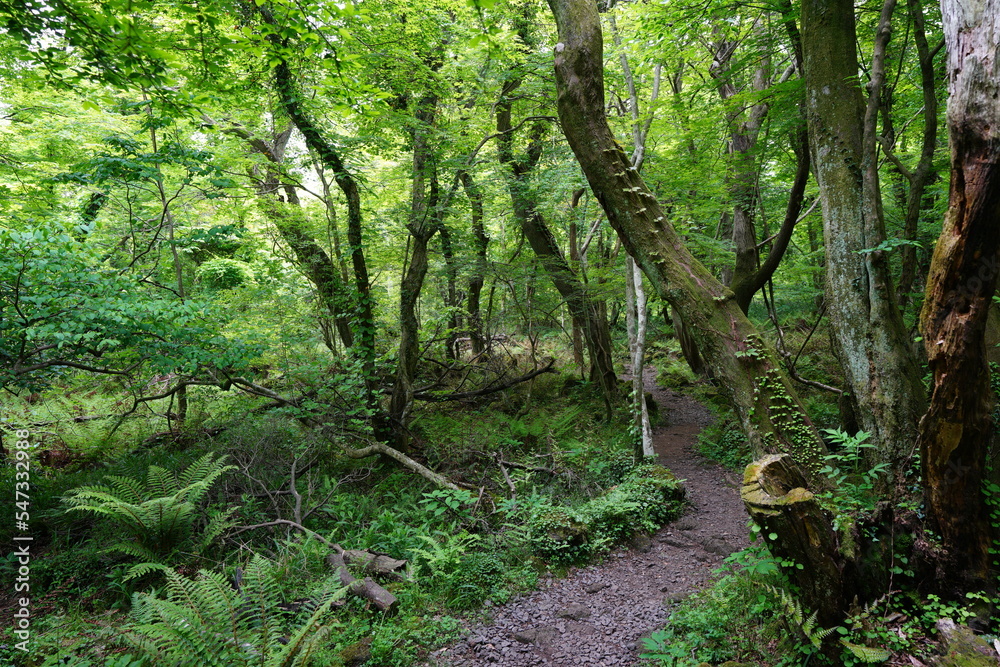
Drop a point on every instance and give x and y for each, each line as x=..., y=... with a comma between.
x=598, y=614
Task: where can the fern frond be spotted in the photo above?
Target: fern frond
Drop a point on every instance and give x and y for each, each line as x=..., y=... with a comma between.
x=868, y=654
x=128, y=489
x=218, y=524
x=199, y=470
x=806, y=625
x=260, y=593
x=135, y=550
x=160, y=482
x=204, y=622
x=195, y=481
x=142, y=569
x=310, y=635
x=160, y=514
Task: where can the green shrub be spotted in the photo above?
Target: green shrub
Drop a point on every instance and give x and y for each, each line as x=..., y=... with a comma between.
x=481, y=576
x=650, y=496
x=224, y=273
x=725, y=443
x=677, y=374
x=558, y=536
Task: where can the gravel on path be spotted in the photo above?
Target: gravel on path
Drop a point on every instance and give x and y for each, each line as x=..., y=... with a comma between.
x=598, y=615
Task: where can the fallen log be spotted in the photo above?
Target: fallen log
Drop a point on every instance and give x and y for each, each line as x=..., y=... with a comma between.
x=366, y=588
x=376, y=564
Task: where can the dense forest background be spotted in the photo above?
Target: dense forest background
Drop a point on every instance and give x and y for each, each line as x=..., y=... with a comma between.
x=287, y=286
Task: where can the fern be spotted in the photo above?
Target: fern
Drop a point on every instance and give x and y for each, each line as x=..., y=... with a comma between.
x=867, y=653
x=442, y=558
x=806, y=625
x=204, y=621
x=161, y=514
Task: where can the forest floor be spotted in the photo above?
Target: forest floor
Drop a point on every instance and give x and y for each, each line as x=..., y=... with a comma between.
x=598, y=615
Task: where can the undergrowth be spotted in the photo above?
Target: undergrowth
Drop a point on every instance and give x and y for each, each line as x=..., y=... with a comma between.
x=148, y=510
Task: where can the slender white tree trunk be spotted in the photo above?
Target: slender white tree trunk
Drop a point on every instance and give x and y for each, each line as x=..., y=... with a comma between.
x=636, y=318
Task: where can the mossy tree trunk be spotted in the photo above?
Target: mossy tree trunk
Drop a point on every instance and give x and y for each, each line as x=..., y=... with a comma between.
x=288, y=218
x=925, y=172
x=871, y=340
x=741, y=360
x=478, y=274
x=799, y=534
x=363, y=315
x=424, y=221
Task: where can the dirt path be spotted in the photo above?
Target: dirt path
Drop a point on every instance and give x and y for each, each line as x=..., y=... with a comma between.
x=598, y=614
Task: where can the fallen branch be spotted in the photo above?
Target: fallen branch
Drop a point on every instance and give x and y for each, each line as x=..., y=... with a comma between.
x=521, y=466
x=351, y=452
x=506, y=478
x=435, y=398
x=365, y=588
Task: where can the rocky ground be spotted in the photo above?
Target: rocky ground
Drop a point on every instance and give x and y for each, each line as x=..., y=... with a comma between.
x=597, y=615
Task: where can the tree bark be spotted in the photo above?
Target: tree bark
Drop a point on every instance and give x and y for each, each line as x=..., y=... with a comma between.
x=364, y=328
x=287, y=218
x=871, y=340
x=796, y=530
x=955, y=432
x=452, y=297
x=477, y=279
x=748, y=280
x=741, y=179
x=637, y=315
x=765, y=401
x=581, y=304
x=425, y=221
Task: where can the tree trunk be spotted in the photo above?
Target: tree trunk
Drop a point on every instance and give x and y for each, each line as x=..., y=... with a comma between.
x=689, y=348
x=637, y=313
x=636, y=316
x=925, y=173
x=765, y=401
x=425, y=221
x=749, y=277
x=872, y=343
x=575, y=327
x=581, y=305
x=797, y=531
x=288, y=219
x=741, y=179
x=955, y=432
x=452, y=297
x=364, y=328
x=477, y=279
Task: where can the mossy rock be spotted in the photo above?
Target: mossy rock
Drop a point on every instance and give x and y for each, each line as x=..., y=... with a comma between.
x=649, y=497
x=658, y=486
x=962, y=647
x=357, y=653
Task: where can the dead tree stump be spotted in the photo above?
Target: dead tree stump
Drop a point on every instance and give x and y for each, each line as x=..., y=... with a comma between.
x=799, y=533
